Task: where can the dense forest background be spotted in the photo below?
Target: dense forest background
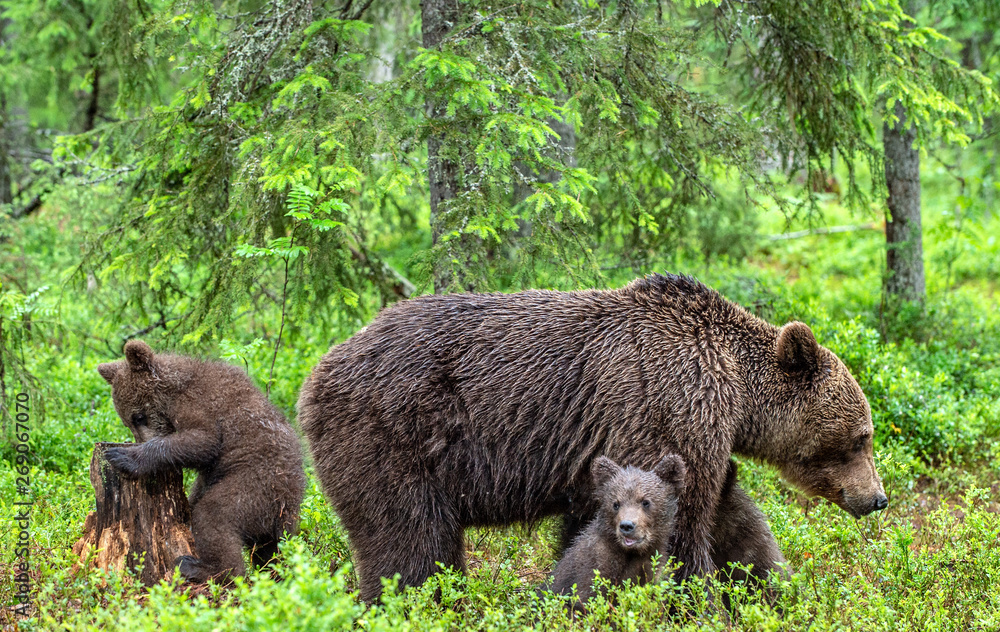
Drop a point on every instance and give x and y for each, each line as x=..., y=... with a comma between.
x=253, y=181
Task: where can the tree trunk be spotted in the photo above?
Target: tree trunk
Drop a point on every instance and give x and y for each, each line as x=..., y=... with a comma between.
x=437, y=18
x=93, y=107
x=138, y=521
x=6, y=192
x=904, y=239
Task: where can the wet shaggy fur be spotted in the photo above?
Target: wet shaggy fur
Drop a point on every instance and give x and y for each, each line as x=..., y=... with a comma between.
x=210, y=417
x=465, y=410
x=634, y=520
x=741, y=534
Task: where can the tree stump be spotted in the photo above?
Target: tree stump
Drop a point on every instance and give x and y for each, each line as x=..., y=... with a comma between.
x=138, y=521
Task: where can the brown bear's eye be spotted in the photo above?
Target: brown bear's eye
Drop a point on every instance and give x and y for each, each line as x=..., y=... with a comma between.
x=645, y=504
x=616, y=505
x=860, y=443
x=139, y=419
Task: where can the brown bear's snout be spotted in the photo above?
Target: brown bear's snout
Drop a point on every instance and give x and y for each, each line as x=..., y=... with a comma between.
x=852, y=484
x=876, y=503
x=859, y=507
x=632, y=533
x=632, y=527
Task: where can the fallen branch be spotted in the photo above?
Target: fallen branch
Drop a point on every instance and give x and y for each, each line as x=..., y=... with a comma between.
x=145, y=330
x=382, y=274
x=825, y=231
x=29, y=208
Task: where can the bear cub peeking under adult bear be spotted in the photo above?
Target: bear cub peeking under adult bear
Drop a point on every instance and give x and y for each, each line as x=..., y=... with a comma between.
x=634, y=520
x=210, y=417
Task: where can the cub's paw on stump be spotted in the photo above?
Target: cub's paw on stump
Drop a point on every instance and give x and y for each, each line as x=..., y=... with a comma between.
x=124, y=460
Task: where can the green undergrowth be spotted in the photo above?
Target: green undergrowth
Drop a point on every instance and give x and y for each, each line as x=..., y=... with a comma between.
x=929, y=562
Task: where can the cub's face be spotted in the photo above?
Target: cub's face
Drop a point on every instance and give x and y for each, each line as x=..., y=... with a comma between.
x=826, y=449
x=139, y=392
x=638, y=507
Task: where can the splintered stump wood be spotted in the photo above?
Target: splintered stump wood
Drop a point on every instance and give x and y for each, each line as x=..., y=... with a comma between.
x=137, y=520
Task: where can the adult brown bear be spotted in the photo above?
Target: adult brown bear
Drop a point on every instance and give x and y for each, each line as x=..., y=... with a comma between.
x=487, y=409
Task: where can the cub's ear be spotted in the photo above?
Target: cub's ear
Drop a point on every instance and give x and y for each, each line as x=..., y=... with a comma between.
x=671, y=469
x=603, y=470
x=109, y=370
x=796, y=348
x=730, y=481
x=138, y=355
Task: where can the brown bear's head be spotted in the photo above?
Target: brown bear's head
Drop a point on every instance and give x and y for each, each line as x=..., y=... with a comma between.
x=140, y=390
x=824, y=443
x=637, y=507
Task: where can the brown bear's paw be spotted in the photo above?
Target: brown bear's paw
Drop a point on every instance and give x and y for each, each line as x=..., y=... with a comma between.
x=192, y=569
x=123, y=459
x=198, y=571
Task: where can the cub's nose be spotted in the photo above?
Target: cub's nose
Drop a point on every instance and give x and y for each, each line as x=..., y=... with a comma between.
x=880, y=503
x=626, y=526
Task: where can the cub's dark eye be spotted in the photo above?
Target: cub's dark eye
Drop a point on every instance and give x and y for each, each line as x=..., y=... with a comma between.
x=138, y=419
x=616, y=506
x=645, y=504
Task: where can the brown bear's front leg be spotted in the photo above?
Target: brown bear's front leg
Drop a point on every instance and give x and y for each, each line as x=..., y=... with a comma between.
x=192, y=448
x=691, y=543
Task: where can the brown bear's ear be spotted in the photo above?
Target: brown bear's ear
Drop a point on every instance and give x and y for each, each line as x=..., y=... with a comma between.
x=138, y=355
x=109, y=370
x=671, y=469
x=797, y=349
x=603, y=470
